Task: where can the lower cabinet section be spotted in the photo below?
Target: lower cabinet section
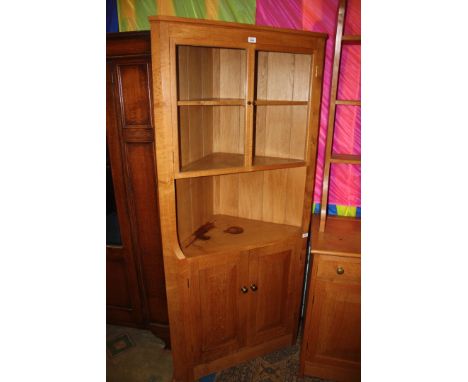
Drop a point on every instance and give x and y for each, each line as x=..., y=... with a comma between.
x=242, y=304
x=331, y=346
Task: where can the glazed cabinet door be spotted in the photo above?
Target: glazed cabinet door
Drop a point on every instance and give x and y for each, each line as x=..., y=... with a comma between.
x=333, y=331
x=271, y=287
x=219, y=304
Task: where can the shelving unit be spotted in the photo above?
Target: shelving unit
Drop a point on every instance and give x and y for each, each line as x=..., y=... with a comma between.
x=237, y=115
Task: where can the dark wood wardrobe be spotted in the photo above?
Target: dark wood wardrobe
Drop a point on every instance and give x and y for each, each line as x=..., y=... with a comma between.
x=136, y=294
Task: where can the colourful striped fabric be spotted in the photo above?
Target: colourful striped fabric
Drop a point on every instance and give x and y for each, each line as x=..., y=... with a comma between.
x=310, y=15
x=133, y=14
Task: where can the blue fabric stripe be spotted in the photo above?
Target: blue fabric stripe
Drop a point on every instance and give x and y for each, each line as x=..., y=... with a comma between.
x=112, y=18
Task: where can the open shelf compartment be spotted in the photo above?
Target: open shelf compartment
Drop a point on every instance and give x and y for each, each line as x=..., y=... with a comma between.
x=266, y=205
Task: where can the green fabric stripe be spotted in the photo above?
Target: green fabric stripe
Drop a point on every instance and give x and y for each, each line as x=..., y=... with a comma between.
x=119, y=16
x=190, y=8
x=346, y=211
x=237, y=11
x=144, y=9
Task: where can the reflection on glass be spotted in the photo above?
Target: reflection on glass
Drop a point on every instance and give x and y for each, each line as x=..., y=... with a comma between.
x=112, y=220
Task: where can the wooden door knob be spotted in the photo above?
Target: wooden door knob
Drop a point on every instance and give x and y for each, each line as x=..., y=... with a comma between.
x=340, y=270
x=244, y=289
x=253, y=287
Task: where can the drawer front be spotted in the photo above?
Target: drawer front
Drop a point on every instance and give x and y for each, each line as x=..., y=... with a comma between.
x=338, y=268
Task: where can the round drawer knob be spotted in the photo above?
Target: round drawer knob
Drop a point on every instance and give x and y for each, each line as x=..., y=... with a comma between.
x=244, y=289
x=340, y=270
x=253, y=287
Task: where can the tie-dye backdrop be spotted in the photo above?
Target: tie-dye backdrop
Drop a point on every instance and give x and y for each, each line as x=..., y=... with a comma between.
x=310, y=15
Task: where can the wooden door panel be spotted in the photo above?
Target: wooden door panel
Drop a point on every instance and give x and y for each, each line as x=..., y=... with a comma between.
x=219, y=306
x=134, y=89
x=335, y=336
x=270, y=307
x=123, y=297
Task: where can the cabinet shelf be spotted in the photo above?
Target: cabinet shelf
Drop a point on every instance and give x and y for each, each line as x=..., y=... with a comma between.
x=214, y=161
x=266, y=102
x=255, y=234
x=269, y=163
x=213, y=102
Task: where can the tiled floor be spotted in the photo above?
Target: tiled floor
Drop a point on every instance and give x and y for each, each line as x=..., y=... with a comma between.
x=135, y=355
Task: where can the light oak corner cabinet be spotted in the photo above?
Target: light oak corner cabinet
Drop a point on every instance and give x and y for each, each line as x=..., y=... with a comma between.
x=236, y=110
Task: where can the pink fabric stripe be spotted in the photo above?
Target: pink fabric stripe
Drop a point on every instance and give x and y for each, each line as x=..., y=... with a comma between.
x=320, y=16
x=281, y=14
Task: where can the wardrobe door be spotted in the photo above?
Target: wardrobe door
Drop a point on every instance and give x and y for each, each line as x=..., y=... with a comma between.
x=133, y=84
x=122, y=292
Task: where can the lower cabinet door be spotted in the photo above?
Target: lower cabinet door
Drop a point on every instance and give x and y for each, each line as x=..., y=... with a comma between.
x=332, y=338
x=219, y=304
x=270, y=283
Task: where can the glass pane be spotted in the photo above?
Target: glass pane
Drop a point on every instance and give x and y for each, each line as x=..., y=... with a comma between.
x=112, y=220
x=283, y=76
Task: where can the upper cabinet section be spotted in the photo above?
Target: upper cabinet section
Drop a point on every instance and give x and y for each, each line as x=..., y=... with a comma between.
x=237, y=98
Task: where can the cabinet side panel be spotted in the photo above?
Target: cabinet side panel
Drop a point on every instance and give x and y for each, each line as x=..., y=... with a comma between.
x=194, y=205
x=184, y=208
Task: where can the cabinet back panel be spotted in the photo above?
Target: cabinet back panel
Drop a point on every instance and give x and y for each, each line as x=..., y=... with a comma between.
x=274, y=196
x=228, y=129
x=205, y=73
x=283, y=76
x=194, y=204
x=195, y=133
x=280, y=131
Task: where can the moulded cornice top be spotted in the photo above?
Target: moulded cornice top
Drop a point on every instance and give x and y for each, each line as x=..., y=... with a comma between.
x=187, y=20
